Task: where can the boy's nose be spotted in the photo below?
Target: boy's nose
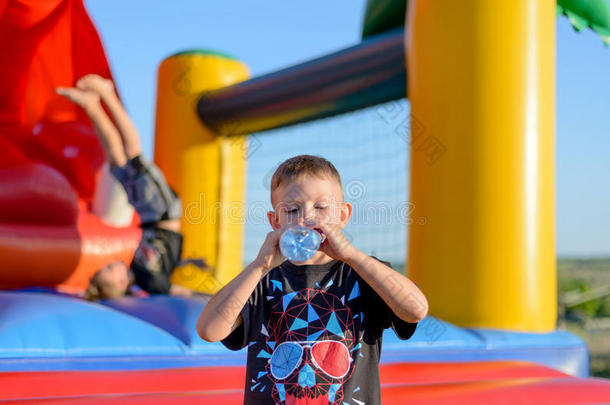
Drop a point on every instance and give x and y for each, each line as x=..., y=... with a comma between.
x=307, y=221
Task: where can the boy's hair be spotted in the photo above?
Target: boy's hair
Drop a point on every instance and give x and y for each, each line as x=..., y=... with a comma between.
x=296, y=167
x=99, y=290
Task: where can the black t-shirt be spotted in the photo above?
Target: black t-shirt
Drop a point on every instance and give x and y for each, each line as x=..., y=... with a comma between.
x=314, y=331
x=155, y=259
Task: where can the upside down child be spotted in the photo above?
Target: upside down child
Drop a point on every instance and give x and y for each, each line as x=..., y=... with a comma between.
x=158, y=206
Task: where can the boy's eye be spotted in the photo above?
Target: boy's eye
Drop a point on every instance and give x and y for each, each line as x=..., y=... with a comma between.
x=291, y=210
x=321, y=207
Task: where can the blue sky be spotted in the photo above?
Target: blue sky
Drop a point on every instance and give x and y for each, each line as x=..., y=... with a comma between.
x=274, y=34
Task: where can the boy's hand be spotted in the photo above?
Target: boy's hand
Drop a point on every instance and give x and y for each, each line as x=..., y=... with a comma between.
x=270, y=255
x=335, y=244
x=96, y=84
x=88, y=100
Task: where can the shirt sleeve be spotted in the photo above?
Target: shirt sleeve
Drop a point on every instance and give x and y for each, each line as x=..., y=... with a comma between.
x=250, y=314
x=382, y=315
x=238, y=339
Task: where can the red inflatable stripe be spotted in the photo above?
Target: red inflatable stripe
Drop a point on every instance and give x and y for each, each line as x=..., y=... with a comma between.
x=472, y=382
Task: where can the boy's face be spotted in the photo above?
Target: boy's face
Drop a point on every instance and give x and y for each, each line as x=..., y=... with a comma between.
x=309, y=201
x=113, y=279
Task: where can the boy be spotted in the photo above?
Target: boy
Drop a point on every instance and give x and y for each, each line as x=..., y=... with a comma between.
x=158, y=206
x=313, y=328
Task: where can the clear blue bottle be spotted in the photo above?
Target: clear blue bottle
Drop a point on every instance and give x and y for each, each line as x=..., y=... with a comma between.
x=299, y=244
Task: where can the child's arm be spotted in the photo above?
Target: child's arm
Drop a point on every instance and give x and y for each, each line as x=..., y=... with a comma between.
x=107, y=132
x=221, y=314
x=400, y=293
x=105, y=89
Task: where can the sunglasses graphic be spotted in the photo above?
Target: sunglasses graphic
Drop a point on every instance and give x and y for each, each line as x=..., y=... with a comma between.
x=329, y=356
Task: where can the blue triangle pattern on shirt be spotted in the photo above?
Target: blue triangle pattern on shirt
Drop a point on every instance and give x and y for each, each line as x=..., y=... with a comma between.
x=287, y=298
x=277, y=285
x=307, y=377
x=332, y=391
x=271, y=345
x=299, y=324
x=314, y=336
x=312, y=315
x=355, y=292
x=281, y=390
x=333, y=325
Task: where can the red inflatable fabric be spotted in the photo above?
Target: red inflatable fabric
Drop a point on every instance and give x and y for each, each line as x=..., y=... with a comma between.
x=50, y=156
x=494, y=382
x=46, y=44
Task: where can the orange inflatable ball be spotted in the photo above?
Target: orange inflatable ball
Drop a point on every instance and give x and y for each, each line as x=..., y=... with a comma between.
x=64, y=256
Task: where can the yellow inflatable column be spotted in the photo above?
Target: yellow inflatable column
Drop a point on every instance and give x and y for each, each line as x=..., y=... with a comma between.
x=481, y=86
x=208, y=171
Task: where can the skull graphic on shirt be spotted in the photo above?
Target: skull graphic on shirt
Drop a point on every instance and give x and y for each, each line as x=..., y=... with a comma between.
x=311, y=340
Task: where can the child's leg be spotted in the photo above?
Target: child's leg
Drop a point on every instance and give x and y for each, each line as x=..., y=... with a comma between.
x=105, y=89
x=108, y=134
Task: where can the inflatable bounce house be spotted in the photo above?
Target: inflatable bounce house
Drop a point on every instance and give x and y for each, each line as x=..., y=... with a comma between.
x=479, y=74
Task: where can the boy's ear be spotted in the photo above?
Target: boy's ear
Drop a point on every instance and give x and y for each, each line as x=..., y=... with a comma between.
x=346, y=210
x=273, y=220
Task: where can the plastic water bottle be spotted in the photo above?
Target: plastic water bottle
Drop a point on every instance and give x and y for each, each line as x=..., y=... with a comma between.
x=299, y=244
